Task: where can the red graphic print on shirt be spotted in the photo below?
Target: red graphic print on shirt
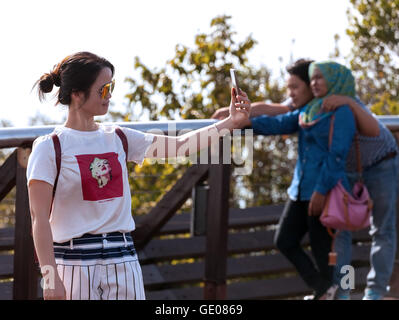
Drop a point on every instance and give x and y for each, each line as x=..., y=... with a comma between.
x=101, y=176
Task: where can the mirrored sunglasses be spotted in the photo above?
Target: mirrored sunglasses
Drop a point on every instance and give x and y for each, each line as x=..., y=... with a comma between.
x=107, y=88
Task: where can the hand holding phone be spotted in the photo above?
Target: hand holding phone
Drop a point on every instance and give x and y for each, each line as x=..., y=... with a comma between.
x=234, y=80
x=240, y=104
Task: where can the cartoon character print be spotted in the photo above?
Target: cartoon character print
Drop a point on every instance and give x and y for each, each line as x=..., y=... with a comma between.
x=101, y=171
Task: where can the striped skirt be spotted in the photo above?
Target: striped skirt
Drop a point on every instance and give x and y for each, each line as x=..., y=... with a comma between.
x=100, y=267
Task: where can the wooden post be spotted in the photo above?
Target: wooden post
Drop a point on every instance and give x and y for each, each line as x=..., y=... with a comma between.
x=217, y=229
x=198, y=213
x=394, y=283
x=25, y=269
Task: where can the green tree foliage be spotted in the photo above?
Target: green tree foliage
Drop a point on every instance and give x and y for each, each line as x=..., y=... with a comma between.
x=192, y=85
x=374, y=31
x=196, y=81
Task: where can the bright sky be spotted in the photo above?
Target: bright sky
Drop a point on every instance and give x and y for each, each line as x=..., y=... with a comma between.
x=35, y=35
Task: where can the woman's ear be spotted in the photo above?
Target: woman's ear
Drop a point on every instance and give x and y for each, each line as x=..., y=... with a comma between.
x=77, y=98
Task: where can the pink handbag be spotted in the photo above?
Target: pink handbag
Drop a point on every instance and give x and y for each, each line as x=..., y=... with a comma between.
x=345, y=211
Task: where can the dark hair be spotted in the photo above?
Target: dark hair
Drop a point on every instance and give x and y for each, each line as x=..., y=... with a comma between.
x=300, y=68
x=74, y=73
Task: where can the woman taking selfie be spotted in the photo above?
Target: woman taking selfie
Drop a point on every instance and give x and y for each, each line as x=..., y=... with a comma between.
x=86, y=239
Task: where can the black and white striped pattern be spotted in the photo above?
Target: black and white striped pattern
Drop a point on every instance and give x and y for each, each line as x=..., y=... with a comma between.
x=122, y=281
x=100, y=267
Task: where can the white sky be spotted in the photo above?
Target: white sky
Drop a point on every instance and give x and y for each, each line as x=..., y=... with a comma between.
x=37, y=34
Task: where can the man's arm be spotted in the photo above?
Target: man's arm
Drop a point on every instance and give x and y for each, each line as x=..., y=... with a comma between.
x=269, y=109
x=257, y=109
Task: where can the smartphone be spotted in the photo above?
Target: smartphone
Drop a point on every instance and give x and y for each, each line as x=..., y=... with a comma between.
x=234, y=80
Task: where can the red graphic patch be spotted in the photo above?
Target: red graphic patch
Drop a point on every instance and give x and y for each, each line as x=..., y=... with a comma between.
x=101, y=176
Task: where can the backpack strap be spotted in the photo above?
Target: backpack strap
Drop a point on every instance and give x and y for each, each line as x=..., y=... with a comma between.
x=57, y=149
x=123, y=138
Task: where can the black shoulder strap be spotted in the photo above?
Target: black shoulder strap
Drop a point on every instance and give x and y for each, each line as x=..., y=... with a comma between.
x=123, y=138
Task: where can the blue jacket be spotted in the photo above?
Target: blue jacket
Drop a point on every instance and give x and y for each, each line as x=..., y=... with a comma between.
x=317, y=168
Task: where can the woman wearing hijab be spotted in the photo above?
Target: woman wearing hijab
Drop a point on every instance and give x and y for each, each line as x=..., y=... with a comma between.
x=317, y=171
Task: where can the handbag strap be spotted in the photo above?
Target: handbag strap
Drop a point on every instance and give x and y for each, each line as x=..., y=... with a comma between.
x=359, y=168
x=358, y=158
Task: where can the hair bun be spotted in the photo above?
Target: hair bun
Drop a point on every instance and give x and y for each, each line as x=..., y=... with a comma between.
x=46, y=83
x=56, y=79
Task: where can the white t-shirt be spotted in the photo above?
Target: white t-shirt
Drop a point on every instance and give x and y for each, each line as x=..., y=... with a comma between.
x=93, y=193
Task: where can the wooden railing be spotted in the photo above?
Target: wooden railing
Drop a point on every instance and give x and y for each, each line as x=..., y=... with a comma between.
x=13, y=173
x=216, y=245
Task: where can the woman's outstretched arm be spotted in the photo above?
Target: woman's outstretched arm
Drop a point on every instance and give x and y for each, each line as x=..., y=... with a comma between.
x=257, y=109
x=193, y=141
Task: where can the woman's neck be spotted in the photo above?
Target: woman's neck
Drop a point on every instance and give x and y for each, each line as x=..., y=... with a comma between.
x=80, y=121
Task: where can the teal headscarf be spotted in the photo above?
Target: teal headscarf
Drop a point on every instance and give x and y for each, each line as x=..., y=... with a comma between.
x=339, y=80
